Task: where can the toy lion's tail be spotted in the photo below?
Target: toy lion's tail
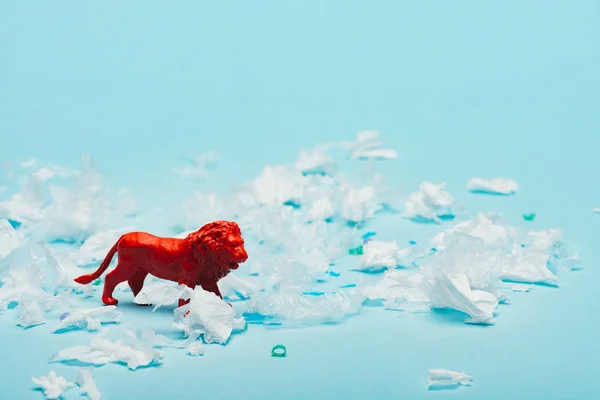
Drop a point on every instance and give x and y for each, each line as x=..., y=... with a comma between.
x=85, y=279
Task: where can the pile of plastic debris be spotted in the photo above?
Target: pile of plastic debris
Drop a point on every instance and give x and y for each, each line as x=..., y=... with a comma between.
x=301, y=223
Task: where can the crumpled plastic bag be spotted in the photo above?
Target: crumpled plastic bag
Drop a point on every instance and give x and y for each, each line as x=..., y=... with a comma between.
x=400, y=290
x=379, y=255
x=161, y=294
x=10, y=239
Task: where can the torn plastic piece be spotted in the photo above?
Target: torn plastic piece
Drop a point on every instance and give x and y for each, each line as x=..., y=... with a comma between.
x=195, y=349
x=160, y=294
x=278, y=350
x=499, y=186
x=528, y=266
x=102, y=350
x=368, y=235
x=429, y=204
x=368, y=146
x=321, y=209
x=446, y=379
x=529, y=217
x=298, y=309
x=596, y=210
x=400, y=290
x=234, y=287
x=52, y=385
x=207, y=314
x=10, y=239
x=315, y=161
x=456, y=293
x=31, y=315
x=486, y=227
x=88, y=318
x=359, y=204
x=379, y=255
x=86, y=384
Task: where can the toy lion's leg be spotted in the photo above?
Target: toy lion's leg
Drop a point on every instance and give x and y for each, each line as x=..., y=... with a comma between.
x=121, y=273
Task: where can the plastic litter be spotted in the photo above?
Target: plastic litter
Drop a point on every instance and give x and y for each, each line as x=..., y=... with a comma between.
x=368, y=146
x=88, y=318
x=10, y=239
x=359, y=204
x=296, y=309
x=86, y=384
x=356, y=251
x=315, y=161
x=529, y=217
x=209, y=315
x=500, y=186
x=235, y=287
x=446, y=379
x=429, y=204
x=160, y=294
x=596, y=210
x=278, y=350
x=129, y=351
x=53, y=386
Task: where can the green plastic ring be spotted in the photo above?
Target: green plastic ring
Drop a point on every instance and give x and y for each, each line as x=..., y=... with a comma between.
x=276, y=353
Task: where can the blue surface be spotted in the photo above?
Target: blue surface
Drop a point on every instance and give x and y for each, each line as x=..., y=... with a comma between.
x=460, y=89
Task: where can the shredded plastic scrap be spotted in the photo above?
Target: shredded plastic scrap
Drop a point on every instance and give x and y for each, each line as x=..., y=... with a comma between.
x=368, y=146
x=86, y=384
x=446, y=379
x=429, y=204
x=500, y=186
x=89, y=318
x=129, y=351
x=52, y=385
x=209, y=315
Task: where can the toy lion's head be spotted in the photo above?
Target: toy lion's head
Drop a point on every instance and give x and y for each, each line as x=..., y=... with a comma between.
x=219, y=244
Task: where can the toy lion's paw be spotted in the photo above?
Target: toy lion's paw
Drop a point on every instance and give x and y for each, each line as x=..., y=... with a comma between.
x=110, y=301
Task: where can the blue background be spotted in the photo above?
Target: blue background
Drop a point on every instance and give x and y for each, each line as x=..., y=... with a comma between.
x=460, y=89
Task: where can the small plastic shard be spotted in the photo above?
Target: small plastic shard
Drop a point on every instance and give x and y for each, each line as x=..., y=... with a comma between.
x=359, y=204
x=52, y=385
x=86, y=384
x=499, y=186
x=195, y=349
x=26, y=206
x=521, y=287
x=429, y=204
x=368, y=146
x=279, y=185
x=89, y=319
x=300, y=309
x=315, y=161
x=160, y=294
x=128, y=351
x=528, y=266
x=400, y=290
x=31, y=315
x=234, y=287
x=64, y=315
x=378, y=255
x=207, y=314
x=10, y=239
x=446, y=379
x=321, y=209
x=596, y=210
x=529, y=217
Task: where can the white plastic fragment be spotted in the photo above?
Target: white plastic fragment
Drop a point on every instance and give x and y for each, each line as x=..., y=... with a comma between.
x=501, y=186
x=359, y=204
x=27, y=205
x=31, y=314
x=446, y=379
x=315, y=161
x=429, y=204
x=378, y=255
x=161, y=294
x=400, y=290
x=102, y=350
x=368, y=146
x=527, y=266
x=455, y=293
x=486, y=227
x=52, y=385
x=10, y=239
x=89, y=319
x=195, y=349
x=278, y=185
x=596, y=210
x=86, y=384
x=234, y=287
x=95, y=247
x=301, y=309
x=321, y=209
x=208, y=314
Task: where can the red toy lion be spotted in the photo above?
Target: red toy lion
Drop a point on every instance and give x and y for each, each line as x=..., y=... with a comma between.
x=202, y=258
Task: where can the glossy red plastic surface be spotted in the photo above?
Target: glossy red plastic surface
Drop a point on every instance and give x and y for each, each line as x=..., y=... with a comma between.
x=202, y=258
